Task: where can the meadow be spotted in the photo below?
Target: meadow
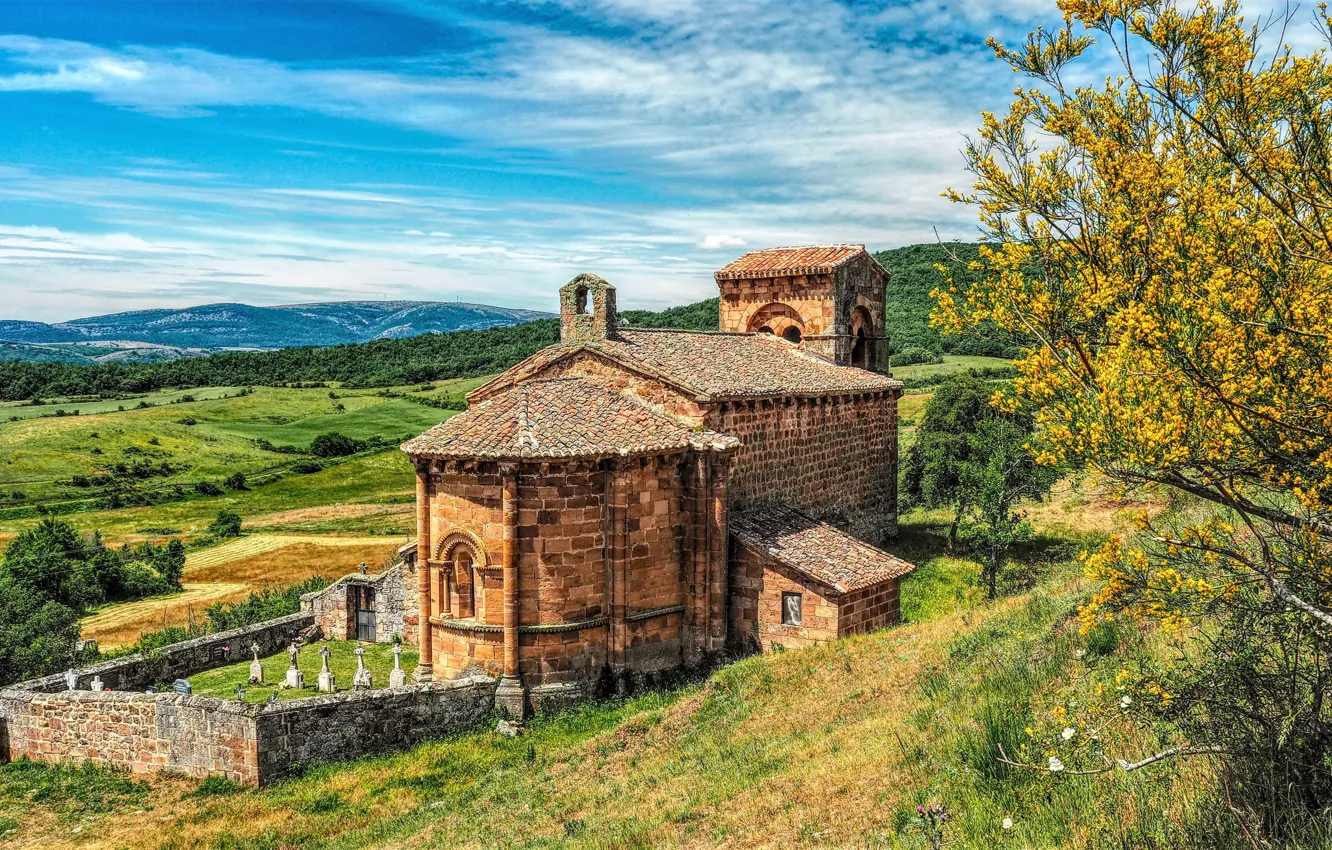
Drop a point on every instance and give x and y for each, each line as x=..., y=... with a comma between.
x=167, y=444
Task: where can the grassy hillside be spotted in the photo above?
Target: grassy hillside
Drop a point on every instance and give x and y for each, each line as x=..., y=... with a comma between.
x=161, y=447
x=830, y=747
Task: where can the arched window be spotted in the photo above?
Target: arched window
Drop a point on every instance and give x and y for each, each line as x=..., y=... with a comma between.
x=862, y=346
x=466, y=569
x=765, y=330
x=777, y=318
x=791, y=334
x=580, y=300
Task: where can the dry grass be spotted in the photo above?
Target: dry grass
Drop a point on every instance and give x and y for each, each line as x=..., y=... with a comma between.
x=229, y=573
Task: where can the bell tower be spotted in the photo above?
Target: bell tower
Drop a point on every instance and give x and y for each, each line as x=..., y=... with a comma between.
x=828, y=299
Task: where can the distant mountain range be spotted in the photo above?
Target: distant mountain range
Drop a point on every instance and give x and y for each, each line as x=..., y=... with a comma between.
x=155, y=335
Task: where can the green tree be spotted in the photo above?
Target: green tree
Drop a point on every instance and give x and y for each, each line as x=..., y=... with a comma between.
x=973, y=459
x=37, y=635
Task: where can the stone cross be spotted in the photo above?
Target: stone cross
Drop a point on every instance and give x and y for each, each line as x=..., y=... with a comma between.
x=71, y=679
x=398, y=677
x=361, y=681
x=327, y=683
x=295, y=678
x=256, y=666
x=363, y=568
x=97, y=684
x=240, y=693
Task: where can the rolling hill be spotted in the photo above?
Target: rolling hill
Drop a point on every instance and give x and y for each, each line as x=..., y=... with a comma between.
x=165, y=334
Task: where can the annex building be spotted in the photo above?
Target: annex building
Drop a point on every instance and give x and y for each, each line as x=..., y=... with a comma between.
x=633, y=501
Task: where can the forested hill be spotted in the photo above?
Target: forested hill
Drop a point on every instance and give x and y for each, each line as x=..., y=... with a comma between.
x=383, y=362
x=914, y=275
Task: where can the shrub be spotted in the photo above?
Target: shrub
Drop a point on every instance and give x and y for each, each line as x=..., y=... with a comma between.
x=334, y=444
x=911, y=356
x=207, y=488
x=227, y=524
x=235, y=481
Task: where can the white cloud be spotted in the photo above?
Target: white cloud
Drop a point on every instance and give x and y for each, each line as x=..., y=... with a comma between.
x=718, y=241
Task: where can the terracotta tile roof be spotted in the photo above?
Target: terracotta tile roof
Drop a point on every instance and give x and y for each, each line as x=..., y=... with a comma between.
x=566, y=417
x=784, y=262
x=814, y=548
x=712, y=365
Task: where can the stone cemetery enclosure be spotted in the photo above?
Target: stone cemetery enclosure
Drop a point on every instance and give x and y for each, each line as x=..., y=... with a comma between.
x=252, y=743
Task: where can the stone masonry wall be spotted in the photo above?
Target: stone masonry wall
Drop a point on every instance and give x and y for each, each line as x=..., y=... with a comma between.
x=179, y=660
x=650, y=391
x=395, y=600
x=345, y=726
x=833, y=458
x=655, y=564
x=810, y=296
x=250, y=743
x=869, y=609
x=143, y=733
x=757, y=584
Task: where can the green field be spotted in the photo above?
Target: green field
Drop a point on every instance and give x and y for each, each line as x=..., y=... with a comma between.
x=10, y=410
x=951, y=364
x=166, y=448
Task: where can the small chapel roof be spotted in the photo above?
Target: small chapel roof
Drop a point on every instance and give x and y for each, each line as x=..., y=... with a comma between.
x=712, y=364
x=790, y=261
x=560, y=418
x=815, y=549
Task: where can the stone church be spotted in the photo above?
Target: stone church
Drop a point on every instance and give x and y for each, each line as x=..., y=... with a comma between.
x=632, y=501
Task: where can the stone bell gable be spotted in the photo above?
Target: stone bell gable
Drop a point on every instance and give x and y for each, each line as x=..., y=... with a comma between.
x=587, y=309
x=830, y=298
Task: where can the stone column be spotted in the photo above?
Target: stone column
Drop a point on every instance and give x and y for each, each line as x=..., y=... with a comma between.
x=619, y=565
x=425, y=670
x=718, y=551
x=509, y=695
x=696, y=582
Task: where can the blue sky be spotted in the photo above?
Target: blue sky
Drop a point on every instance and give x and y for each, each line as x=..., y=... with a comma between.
x=175, y=152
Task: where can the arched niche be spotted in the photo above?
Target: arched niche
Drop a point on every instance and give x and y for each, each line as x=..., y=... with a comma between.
x=779, y=319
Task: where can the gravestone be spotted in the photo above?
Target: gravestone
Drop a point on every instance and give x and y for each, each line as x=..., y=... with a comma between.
x=295, y=678
x=361, y=681
x=97, y=684
x=240, y=693
x=182, y=686
x=397, y=678
x=256, y=666
x=71, y=680
x=327, y=683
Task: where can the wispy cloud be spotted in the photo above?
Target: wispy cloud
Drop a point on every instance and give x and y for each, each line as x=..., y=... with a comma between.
x=641, y=138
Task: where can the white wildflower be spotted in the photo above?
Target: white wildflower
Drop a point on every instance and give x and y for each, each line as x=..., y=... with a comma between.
x=1055, y=765
x=1125, y=701
x=1008, y=823
x=1069, y=732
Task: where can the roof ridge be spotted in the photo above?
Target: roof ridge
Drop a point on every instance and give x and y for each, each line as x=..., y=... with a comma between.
x=686, y=331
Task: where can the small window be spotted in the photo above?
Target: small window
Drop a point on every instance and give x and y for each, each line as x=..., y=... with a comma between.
x=791, y=613
x=791, y=334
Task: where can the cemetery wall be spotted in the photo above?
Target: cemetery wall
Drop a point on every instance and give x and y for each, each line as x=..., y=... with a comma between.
x=180, y=660
x=345, y=726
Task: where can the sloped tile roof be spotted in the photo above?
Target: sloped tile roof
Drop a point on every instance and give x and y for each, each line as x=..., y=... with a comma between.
x=814, y=548
x=712, y=365
x=785, y=262
x=559, y=418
